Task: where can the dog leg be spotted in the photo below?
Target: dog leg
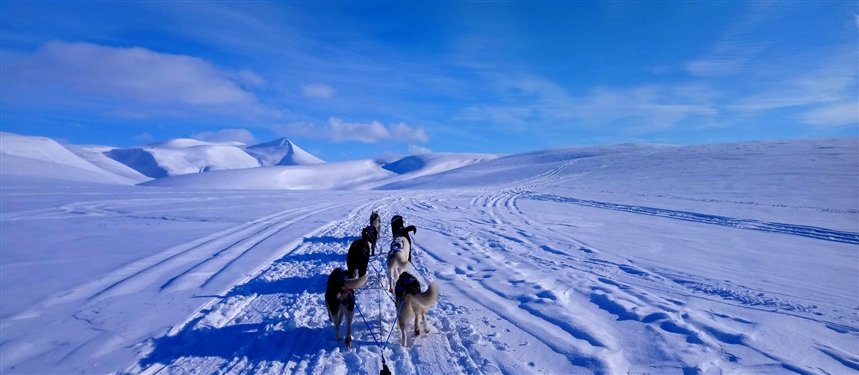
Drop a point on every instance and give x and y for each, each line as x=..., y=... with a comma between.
x=337, y=320
x=417, y=327
x=401, y=323
x=424, y=317
x=349, y=316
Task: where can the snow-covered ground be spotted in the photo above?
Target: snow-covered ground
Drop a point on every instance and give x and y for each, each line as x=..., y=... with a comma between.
x=631, y=258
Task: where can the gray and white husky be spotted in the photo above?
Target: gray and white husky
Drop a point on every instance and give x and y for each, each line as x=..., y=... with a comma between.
x=411, y=301
x=398, y=259
x=340, y=300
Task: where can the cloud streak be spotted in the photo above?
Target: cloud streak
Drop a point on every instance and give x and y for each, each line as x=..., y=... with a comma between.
x=226, y=135
x=317, y=90
x=337, y=130
x=127, y=80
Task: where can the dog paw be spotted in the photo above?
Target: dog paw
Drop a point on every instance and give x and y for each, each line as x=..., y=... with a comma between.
x=348, y=342
x=417, y=332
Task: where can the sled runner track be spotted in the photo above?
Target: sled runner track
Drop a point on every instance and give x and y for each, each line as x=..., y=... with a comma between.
x=782, y=228
x=286, y=329
x=176, y=254
x=251, y=242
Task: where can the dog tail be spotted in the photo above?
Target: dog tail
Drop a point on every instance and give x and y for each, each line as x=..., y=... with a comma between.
x=356, y=283
x=429, y=297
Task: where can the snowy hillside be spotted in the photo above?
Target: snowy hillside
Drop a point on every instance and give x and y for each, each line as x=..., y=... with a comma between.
x=342, y=175
x=98, y=157
x=26, y=158
x=359, y=175
x=281, y=152
x=415, y=166
x=183, y=156
x=734, y=258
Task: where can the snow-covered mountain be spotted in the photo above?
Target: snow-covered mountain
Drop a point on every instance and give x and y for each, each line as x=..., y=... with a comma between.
x=358, y=174
x=279, y=164
x=281, y=152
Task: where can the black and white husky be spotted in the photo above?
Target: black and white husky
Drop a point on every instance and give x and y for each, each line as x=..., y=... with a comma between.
x=411, y=301
x=340, y=300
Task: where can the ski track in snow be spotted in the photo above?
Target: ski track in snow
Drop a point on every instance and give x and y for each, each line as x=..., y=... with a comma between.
x=791, y=229
x=512, y=301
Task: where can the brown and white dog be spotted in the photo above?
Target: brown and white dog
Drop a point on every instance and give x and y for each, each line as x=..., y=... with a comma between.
x=410, y=301
x=340, y=300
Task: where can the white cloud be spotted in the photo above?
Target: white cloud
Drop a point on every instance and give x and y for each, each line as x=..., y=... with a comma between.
x=540, y=101
x=144, y=138
x=404, y=131
x=843, y=113
x=417, y=150
x=353, y=131
x=317, y=90
x=226, y=135
x=126, y=80
x=337, y=130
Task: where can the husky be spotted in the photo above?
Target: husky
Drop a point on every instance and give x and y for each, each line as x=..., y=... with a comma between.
x=398, y=230
x=376, y=221
x=340, y=300
x=375, y=229
x=372, y=235
x=410, y=300
x=358, y=256
x=398, y=260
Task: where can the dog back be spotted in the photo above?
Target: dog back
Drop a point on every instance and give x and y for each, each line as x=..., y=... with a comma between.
x=358, y=257
x=396, y=224
x=406, y=284
x=375, y=220
x=332, y=290
x=428, y=298
x=370, y=234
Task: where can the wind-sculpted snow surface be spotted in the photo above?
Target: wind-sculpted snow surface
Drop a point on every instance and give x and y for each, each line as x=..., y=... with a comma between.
x=548, y=270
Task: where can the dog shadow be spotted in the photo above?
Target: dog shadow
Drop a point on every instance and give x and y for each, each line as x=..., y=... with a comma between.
x=331, y=239
x=289, y=285
x=251, y=342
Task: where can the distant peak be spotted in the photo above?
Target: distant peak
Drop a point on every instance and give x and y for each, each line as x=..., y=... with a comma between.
x=280, y=142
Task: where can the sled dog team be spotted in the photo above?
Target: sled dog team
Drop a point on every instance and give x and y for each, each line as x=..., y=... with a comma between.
x=409, y=300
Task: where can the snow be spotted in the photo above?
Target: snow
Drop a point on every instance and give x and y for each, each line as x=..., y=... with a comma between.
x=358, y=174
x=732, y=258
x=23, y=157
x=342, y=175
x=96, y=155
x=183, y=156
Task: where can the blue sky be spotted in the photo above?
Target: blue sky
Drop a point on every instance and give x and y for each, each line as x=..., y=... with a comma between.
x=369, y=79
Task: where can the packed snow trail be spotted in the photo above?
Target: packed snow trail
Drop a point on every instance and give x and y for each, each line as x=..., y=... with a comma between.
x=520, y=292
x=277, y=323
